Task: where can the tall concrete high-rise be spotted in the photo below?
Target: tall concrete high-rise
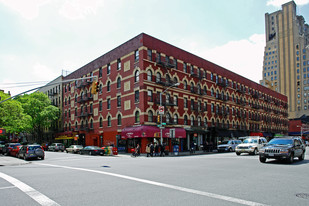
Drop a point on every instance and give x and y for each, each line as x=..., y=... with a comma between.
x=286, y=58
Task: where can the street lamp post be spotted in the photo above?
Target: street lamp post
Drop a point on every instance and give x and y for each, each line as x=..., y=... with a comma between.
x=161, y=128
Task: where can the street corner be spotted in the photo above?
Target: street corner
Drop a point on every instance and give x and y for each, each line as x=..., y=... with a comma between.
x=11, y=161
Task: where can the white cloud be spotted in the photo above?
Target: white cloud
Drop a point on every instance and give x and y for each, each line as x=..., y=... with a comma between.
x=27, y=9
x=79, y=9
x=244, y=57
x=278, y=3
x=43, y=72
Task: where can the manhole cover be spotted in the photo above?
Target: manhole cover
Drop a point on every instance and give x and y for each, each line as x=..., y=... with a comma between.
x=106, y=166
x=303, y=195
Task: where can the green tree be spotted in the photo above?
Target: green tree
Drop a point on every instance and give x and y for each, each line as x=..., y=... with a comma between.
x=12, y=116
x=38, y=106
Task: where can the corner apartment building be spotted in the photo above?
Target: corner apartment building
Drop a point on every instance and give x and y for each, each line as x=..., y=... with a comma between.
x=210, y=103
x=286, y=58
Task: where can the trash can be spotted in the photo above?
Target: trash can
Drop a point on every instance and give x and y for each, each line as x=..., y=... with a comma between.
x=115, y=151
x=176, y=149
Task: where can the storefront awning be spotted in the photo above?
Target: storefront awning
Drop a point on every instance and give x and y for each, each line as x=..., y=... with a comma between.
x=150, y=131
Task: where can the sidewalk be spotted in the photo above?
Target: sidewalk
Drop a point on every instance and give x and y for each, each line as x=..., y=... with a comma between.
x=11, y=161
x=171, y=154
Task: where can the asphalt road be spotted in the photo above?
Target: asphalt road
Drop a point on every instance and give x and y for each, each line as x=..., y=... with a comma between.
x=213, y=179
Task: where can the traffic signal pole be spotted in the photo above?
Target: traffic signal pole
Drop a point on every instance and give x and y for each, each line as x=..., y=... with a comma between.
x=47, y=85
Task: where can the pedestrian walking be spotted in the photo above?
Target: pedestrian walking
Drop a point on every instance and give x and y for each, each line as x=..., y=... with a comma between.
x=151, y=149
x=148, y=150
x=162, y=152
x=156, y=149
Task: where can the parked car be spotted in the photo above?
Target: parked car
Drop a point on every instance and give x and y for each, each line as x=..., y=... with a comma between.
x=251, y=145
x=55, y=147
x=74, y=148
x=8, y=147
x=31, y=152
x=92, y=150
x=228, y=146
x=284, y=148
x=2, y=144
x=15, y=150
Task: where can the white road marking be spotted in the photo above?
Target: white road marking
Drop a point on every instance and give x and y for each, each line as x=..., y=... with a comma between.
x=10, y=187
x=34, y=194
x=183, y=189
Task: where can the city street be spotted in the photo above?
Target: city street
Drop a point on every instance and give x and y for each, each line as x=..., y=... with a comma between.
x=213, y=179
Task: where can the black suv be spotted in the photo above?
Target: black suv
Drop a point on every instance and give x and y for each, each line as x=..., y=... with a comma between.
x=284, y=148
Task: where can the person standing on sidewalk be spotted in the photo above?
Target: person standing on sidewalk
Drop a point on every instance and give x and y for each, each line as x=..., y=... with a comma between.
x=156, y=149
x=151, y=149
x=162, y=152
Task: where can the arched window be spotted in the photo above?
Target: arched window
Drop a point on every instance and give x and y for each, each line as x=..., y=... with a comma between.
x=175, y=119
x=212, y=92
x=101, y=122
x=192, y=87
x=149, y=75
x=108, y=87
x=168, y=118
x=192, y=121
x=205, y=122
x=137, y=118
x=199, y=89
x=75, y=97
x=185, y=85
x=136, y=76
x=119, y=119
x=205, y=90
x=158, y=77
x=199, y=121
x=167, y=100
x=168, y=79
x=109, y=121
x=91, y=124
x=185, y=119
x=118, y=82
x=150, y=116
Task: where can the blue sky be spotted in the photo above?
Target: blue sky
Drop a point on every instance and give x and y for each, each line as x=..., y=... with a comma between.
x=40, y=38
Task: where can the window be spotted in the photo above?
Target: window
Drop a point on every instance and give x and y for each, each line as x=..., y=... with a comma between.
x=118, y=101
x=158, y=77
x=150, y=116
x=119, y=119
x=91, y=108
x=118, y=64
x=212, y=92
x=175, y=100
x=191, y=69
x=109, y=121
x=185, y=67
x=108, y=70
x=137, y=118
x=118, y=82
x=108, y=87
x=192, y=121
x=100, y=72
x=101, y=122
x=75, y=111
x=168, y=118
x=175, y=119
x=136, y=96
x=185, y=120
x=136, y=76
x=205, y=90
x=205, y=106
x=175, y=64
x=136, y=55
x=100, y=106
x=150, y=96
x=185, y=102
x=192, y=104
x=211, y=76
x=108, y=103
x=75, y=97
x=100, y=89
x=212, y=108
x=149, y=75
x=185, y=85
x=149, y=54
x=91, y=124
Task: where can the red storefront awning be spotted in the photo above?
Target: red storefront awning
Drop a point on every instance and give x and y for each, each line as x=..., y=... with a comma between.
x=150, y=131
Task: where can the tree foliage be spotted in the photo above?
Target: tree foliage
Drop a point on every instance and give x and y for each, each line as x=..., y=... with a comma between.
x=12, y=116
x=38, y=106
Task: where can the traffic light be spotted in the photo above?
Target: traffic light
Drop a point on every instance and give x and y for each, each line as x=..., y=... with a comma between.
x=95, y=87
x=159, y=119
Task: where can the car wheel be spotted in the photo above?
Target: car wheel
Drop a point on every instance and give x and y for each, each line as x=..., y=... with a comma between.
x=262, y=159
x=42, y=158
x=254, y=152
x=291, y=158
x=90, y=153
x=302, y=156
x=237, y=153
x=230, y=149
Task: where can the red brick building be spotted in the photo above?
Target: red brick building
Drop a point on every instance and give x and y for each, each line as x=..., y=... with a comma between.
x=210, y=101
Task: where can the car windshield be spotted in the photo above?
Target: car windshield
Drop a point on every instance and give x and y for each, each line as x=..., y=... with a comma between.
x=79, y=146
x=250, y=141
x=281, y=141
x=226, y=142
x=34, y=147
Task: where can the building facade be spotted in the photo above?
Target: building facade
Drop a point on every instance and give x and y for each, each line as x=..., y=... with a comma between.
x=286, y=62
x=210, y=103
x=54, y=91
